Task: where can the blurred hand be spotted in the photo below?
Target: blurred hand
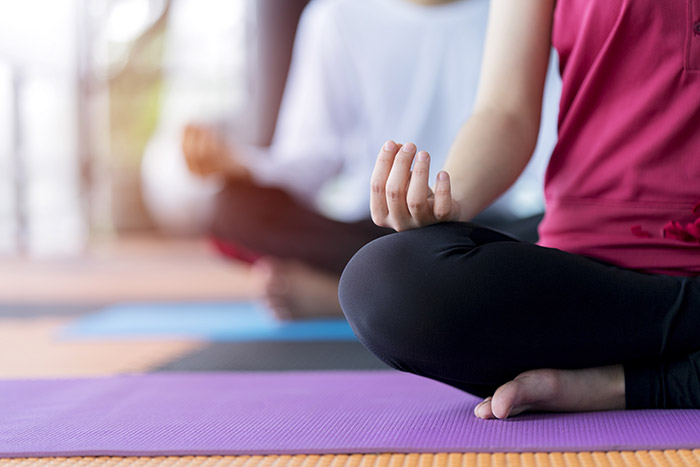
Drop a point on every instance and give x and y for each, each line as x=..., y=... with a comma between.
x=401, y=198
x=206, y=153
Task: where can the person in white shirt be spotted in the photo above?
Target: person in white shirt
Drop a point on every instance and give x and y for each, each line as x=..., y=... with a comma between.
x=362, y=71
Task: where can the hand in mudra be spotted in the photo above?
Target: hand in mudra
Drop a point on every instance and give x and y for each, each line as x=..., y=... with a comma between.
x=207, y=153
x=401, y=197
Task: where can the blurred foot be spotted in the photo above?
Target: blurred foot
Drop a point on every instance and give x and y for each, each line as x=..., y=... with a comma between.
x=585, y=390
x=293, y=290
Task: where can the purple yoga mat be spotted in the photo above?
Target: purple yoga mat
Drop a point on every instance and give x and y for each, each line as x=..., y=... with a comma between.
x=305, y=412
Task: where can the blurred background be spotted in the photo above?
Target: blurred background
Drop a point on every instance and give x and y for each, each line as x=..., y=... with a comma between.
x=97, y=206
x=90, y=90
x=93, y=98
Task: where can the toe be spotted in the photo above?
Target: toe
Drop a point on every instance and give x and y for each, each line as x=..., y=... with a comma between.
x=505, y=399
x=262, y=273
x=275, y=283
x=483, y=409
x=535, y=389
x=278, y=309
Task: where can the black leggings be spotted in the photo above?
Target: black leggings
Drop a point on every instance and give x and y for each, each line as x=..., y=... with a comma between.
x=473, y=308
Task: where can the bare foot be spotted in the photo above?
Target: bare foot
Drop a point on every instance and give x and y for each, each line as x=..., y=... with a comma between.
x=293, y=290
x=585, y=390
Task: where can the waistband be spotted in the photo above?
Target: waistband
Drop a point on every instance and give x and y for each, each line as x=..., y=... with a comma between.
x=631, y=235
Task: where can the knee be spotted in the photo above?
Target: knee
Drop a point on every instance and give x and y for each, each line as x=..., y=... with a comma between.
x=241, y=209
x=370, y=293
x=419, y=297
x=391, y=294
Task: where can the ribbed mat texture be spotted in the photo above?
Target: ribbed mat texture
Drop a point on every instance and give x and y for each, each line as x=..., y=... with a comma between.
x=299, y=413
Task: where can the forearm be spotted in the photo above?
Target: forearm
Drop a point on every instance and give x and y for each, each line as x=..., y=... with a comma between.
x=490, y=152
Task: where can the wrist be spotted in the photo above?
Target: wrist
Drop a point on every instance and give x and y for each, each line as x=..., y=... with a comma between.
x=236, y=171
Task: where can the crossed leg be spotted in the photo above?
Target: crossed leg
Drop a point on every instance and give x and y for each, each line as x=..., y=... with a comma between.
x=531, y=327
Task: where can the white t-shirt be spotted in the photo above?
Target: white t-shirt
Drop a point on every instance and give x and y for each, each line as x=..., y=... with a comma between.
x=364, y=71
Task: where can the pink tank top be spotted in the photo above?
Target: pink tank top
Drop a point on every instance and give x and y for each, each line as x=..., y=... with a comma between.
x=623, y=184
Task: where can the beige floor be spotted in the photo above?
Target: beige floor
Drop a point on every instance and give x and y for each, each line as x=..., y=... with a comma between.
x=138, y=268
x=31, y=348
x=132, y=268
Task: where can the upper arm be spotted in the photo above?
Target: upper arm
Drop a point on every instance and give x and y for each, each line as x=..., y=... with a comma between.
x=516, y=54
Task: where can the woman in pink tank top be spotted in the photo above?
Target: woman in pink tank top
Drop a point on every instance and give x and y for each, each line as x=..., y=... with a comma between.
x=623, y=183
x=604, y=313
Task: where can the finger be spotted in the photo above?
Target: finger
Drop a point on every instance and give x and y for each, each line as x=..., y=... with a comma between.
x=382, y=168
x=219, y=156
x=185, y=142
x=418, y=189
x=207, y=153
x=187, y=145
x=442, y=206
x=198, y=147
x=397, y=187
x=189, y=138
x=191, y=154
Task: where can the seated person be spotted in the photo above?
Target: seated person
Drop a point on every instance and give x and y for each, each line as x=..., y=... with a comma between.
x=602, y=313
x=361, y=70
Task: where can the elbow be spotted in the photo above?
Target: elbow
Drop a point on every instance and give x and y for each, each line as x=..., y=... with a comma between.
x=522, y=127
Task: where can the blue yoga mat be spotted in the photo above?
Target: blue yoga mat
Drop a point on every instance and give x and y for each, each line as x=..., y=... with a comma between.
x=236, y=321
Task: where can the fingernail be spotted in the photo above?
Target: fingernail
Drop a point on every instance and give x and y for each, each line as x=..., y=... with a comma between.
x=483, y=402
x=389, y=145
x=442, y=176
x=422, y=156
x=410, y=147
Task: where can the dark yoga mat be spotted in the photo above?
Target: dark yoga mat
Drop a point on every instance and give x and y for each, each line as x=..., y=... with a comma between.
x=38, y=310
x=277, y=356
x=299, y=413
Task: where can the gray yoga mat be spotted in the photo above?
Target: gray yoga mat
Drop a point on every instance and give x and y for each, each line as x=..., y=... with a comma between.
x=277, y=356
x=37, y=310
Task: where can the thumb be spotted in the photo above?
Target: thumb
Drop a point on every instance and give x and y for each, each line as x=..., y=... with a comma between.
x=443, y=204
